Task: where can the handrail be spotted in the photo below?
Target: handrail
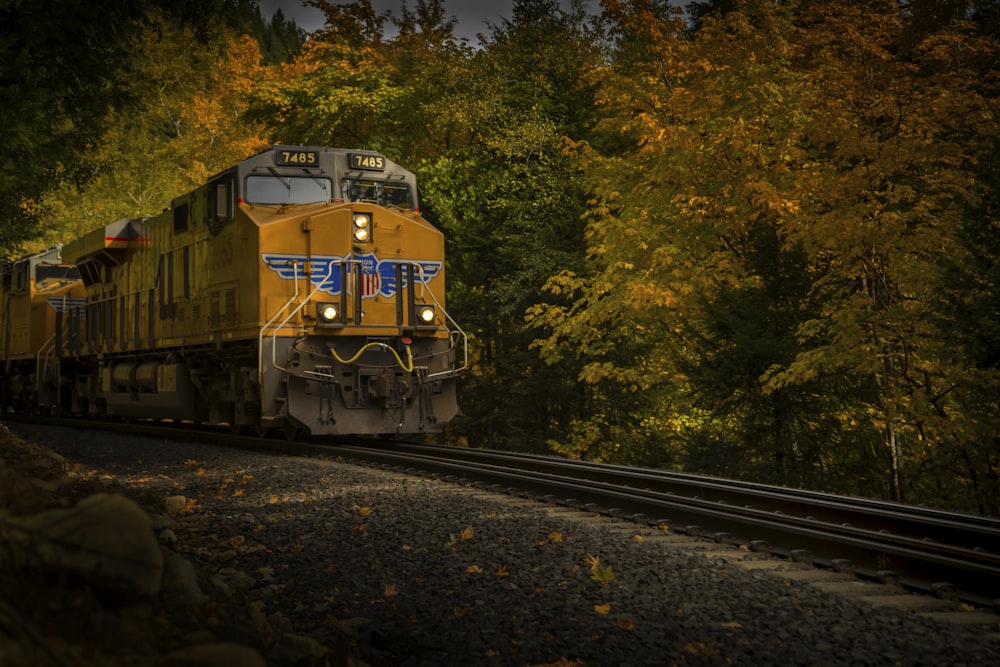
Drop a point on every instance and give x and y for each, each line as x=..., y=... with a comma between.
x=260, y=335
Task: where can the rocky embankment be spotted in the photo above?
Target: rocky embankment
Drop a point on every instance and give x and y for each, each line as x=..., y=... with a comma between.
x=89, y=576
x=152, y=552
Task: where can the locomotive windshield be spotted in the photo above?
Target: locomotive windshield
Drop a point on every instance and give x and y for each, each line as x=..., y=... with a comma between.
x=53, y=274
x=287, y=189
x=383, y=193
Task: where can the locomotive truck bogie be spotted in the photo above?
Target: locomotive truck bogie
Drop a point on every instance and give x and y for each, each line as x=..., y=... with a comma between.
x=299, y=290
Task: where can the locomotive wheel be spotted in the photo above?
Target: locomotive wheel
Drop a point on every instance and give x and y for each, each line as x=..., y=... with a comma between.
x=291, y=431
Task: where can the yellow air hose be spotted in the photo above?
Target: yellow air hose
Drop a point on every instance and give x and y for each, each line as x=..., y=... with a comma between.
x=408, y=366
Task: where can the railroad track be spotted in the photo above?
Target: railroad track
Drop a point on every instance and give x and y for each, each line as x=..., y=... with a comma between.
x=945, y=554
x=932, y=552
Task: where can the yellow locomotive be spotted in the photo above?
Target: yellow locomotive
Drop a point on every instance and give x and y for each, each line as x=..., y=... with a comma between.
x=298, y=291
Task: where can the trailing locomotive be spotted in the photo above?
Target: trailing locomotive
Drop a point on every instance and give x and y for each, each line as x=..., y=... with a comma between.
x=299, y=291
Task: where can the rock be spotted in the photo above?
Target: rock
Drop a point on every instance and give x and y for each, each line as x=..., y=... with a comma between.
x=293, y=649
x=222, y=654
x=175, y=504
x=105, y=538
x=180, y=581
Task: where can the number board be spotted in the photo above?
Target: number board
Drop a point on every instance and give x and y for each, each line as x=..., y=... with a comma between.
x=296, y=158
x=368, y=162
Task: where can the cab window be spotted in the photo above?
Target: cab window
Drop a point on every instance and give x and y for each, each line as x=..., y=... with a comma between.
x=287, y=190
x=383, y=193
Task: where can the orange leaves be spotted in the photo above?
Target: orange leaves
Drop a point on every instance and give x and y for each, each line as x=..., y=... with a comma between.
x=464, y=536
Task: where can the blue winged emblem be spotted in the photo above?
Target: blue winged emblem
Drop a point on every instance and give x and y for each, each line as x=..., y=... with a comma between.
x=423, y=272
x=378, y=277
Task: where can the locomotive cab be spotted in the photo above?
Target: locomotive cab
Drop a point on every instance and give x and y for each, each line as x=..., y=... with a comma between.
x=40, y=313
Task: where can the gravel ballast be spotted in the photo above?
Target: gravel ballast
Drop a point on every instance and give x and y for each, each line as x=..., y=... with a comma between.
x=440, y=574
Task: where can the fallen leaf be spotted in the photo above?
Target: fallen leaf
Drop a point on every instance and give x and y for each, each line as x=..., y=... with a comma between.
x=602, y=609
x=365, y=511
x=638, y=538
x=473, y=569
x=556, y=537
x=502, y=571
x=390, y=590
x=626, y=623
x=699, y=648
x=466, y=534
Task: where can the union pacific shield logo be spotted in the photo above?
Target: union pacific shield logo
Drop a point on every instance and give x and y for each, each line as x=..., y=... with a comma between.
x=370, y=279
x=378, y=277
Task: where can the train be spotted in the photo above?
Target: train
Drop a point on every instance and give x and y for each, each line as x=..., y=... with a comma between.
x=298, y=292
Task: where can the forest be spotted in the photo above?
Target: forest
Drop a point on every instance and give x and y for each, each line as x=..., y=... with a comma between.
x=746, y=238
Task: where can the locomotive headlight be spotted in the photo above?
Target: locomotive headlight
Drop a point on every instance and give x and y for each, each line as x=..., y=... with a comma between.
x=328, y=313
x=362, y=227
x=425, y=314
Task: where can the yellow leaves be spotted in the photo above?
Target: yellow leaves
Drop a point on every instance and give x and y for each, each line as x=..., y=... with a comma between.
x=556, y=537
x=638, y=538
x=502, y=571
x=600, y=573
x=390, y=590
x=602, y=609
x=364, y=511
x=473, y=569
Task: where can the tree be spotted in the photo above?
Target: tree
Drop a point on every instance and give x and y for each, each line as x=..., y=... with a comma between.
x=509, y=199
x=185, y=123
x=62, y=71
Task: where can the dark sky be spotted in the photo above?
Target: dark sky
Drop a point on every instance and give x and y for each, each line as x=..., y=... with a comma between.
x=469, y=13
